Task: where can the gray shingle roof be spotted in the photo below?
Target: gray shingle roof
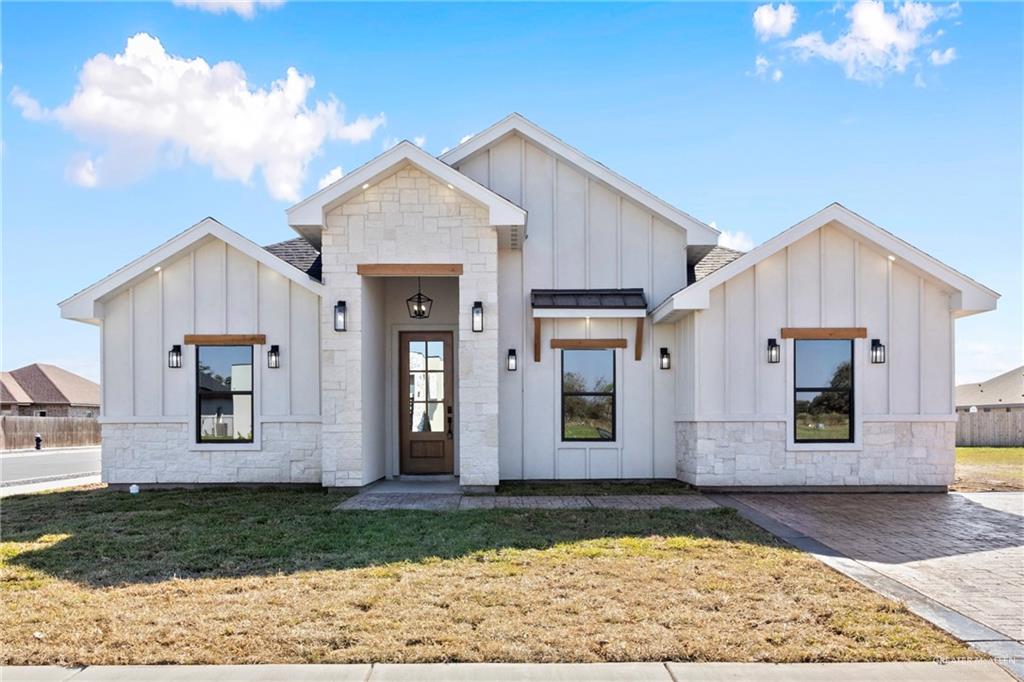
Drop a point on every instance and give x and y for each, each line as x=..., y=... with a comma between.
x=717, y=257
x=1005, y=389
x=301, y=254
x=588, y=298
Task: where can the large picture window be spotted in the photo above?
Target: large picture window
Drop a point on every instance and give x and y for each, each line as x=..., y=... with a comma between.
x=823, y=391
x=224, y=394
x=588, y=395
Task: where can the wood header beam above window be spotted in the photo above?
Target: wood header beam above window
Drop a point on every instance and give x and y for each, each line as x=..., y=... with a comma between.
x=409, y=269
x=588, y=344
x=225, y=339
x=824, y=332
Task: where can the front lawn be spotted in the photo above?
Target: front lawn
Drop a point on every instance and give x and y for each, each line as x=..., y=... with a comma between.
x=242, y=576
x=989, y=469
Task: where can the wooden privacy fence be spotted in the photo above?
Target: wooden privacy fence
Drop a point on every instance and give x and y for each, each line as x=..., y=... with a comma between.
x=58, y=432
x=997, y=428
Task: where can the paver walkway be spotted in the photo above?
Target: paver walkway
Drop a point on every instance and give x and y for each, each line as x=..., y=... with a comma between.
x=457, y=502
x=965, y=551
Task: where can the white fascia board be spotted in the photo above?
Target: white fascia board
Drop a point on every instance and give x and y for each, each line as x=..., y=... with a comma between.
x=970, y=296
x=310, y=211
x=87, y=304
x=697, y=231
x=568, y=313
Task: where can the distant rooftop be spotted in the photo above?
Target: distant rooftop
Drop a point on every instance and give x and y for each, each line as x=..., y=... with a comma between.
x=47, y=384
x=1005, y=389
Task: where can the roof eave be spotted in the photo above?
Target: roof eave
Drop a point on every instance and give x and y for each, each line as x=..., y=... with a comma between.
x=698, y=232
x=308, y=216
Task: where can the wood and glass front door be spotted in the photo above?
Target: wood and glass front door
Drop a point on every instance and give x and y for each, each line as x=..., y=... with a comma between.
x=426, y=405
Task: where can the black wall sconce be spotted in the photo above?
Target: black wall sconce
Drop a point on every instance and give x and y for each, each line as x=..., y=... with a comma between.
x=274, y=357
x=877, y=352
x=513, y=361
x=339, y=316
x=174, y=357
x=774, y=351
x=478, y=316
x=665, y=360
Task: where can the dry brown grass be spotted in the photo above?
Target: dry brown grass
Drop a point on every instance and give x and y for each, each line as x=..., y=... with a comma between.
x=274, y=576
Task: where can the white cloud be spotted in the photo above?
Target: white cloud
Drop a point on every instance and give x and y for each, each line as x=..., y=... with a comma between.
x=740, y=241
x=761, y=68
x=82, y=172
x=332, y=177
x=445, y=150
x=944, y=57
x=30, y=108
x=243, y=8
x=465, y=138
x=919, y=81
x=774, y=22
x=145, y=106
x=419, y=141
x=877, y=42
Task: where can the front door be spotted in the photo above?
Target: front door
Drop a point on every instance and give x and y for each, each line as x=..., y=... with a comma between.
x=426, y=403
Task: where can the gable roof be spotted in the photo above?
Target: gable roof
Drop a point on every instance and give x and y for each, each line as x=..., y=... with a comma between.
x=970, y=298
x=85, y=305
x=301, y=254
x=1005, y=389
x=698, y=232
x=48, y=384
x=11, y=391
x=307, y=216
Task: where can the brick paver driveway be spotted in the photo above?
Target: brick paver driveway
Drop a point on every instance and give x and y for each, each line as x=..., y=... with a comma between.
x=963, y=550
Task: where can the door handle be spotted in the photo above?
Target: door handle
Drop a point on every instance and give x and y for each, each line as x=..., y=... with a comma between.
x=449, y=427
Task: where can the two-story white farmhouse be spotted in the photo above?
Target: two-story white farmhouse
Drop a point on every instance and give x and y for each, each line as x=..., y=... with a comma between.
x=516, y=310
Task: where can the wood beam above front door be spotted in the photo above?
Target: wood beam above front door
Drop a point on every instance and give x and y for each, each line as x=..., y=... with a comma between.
x=409, y=269
x=225, y=339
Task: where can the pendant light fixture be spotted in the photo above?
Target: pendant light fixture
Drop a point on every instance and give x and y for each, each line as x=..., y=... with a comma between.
x=419, y=305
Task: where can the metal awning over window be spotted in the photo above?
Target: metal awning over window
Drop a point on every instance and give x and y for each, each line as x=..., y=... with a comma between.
x=588, y=303
x=576, y=303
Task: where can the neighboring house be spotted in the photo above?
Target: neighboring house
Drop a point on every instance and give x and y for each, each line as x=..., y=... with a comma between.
x=40, y=390
x=1004, y=393
x=516, y=310
x=992, y=413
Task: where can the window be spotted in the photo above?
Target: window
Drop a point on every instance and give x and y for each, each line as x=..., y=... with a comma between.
x=588, y=395
x=224, y=394
x=42, y=413
x=823, y=394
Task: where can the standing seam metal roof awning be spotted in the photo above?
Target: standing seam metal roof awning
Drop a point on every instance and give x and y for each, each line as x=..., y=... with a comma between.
x=588, y=303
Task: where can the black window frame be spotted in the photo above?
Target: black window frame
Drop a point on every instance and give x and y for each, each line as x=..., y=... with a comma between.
x=225, y=394
x=797, y=389
x=600, y=394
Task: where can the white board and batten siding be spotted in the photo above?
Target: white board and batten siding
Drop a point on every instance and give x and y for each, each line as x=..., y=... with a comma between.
x=829, y=278
x=213, y=289
x=581, y=234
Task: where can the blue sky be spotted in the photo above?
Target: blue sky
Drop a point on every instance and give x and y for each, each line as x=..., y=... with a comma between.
x=752, y=118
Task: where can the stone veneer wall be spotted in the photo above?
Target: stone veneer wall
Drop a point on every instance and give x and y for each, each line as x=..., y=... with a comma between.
x=159, y=453
x=409, y=217
x=735, y=453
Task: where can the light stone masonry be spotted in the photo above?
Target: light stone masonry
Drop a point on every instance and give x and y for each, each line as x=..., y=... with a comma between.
x=734, y=453
x=409, y=217
x=159, y=453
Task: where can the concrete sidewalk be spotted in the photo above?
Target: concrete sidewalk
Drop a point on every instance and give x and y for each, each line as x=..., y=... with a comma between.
x=977, y=671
